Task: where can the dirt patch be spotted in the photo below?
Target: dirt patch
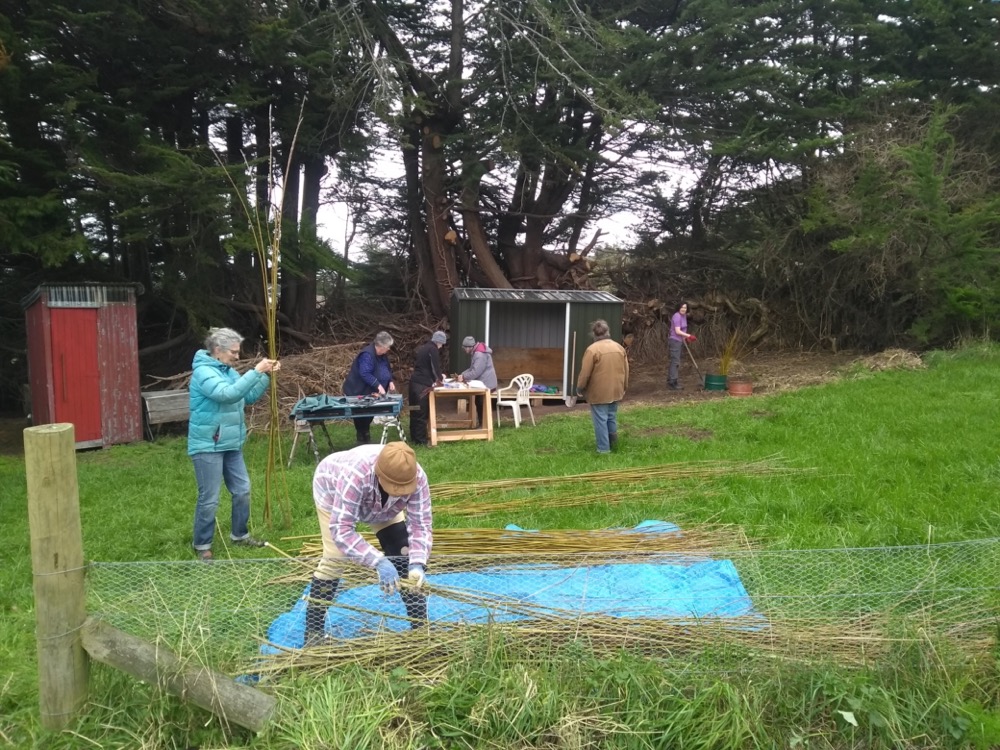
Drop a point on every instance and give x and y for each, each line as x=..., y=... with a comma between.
x=684, y=432
x=769, y=372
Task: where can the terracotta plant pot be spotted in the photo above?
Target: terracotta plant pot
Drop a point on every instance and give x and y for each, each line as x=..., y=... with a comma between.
x=740, y=388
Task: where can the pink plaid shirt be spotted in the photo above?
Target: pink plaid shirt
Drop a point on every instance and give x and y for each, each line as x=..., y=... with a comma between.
x=346, y=487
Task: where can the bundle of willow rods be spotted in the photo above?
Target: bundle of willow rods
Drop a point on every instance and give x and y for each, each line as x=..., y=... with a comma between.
x=445, y=493
x=702, y=540
x=559, y=548
x=427, y=652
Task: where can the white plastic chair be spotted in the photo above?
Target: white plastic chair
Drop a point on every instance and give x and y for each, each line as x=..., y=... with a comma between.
x=515, y=395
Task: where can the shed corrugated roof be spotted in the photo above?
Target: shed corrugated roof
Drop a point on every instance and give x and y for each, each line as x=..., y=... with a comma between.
x=83, y=293
x=533, y=295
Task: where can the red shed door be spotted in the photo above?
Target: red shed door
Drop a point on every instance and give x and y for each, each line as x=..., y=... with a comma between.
x=75, y=378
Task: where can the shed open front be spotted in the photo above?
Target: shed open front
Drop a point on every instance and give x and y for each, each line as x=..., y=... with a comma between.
x=529, y=339
x=536, y=331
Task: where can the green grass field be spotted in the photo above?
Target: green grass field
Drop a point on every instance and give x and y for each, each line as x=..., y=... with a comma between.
x=893, y=458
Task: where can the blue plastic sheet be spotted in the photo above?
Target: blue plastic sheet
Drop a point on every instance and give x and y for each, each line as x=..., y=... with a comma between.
x=669, y=587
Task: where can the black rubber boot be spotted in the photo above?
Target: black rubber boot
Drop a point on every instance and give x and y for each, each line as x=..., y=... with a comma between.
x=393, y=540
x=321, y=594
x=416, y=608
x=414, y=601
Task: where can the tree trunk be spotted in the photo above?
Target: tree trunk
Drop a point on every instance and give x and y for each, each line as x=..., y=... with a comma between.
x=478, y=241
x=302, y=312
x=415, y=216
x=436, y=208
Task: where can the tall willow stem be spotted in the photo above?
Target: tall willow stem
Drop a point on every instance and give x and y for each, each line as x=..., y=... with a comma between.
x=267, y=244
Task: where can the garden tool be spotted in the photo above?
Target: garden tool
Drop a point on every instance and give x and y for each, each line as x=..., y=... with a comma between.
x=696, y=369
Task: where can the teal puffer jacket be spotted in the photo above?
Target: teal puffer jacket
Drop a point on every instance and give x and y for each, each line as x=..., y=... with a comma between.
x=218, y=395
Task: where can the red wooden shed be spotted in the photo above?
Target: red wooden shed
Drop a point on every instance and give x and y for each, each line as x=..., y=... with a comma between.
x=83, y=360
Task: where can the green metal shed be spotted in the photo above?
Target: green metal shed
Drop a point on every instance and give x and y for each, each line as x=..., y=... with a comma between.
x=539, y=331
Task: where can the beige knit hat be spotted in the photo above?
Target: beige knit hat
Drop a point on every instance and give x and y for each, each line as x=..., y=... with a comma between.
x=396, y=469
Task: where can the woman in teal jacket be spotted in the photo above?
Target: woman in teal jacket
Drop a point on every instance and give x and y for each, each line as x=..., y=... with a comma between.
x=216, y=433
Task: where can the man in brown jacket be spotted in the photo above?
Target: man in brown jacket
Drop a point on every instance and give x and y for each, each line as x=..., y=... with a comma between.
x=603, y=380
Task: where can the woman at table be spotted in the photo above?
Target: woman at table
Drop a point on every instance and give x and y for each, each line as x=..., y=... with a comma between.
x=370, y=375
x=426, y=372
x=480, y=368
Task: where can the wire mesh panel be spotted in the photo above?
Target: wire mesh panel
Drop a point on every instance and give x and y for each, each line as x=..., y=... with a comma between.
x=848, y=604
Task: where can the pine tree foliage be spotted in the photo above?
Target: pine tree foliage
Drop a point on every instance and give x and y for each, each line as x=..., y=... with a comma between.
x=480, y=143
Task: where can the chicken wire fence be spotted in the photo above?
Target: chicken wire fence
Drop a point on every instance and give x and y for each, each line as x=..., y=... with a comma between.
x=849, y=604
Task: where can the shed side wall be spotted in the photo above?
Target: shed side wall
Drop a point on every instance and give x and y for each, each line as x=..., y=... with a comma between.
x=39, y=363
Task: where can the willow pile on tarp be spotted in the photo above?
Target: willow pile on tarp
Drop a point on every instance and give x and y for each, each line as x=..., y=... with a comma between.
x=537, y=547
x=953, y=628
x=815, y=604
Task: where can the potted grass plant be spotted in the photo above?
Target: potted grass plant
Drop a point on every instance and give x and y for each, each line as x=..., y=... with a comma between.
x=718, y=381
x=737, y=384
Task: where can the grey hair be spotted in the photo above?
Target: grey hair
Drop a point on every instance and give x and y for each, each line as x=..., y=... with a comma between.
x=383, y=339
x=221, y=338
x=599, y=328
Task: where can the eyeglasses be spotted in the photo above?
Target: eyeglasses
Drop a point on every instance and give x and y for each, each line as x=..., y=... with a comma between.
x=235, y=352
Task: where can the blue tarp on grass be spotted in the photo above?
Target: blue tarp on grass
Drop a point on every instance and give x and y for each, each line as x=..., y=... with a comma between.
x=668, y=587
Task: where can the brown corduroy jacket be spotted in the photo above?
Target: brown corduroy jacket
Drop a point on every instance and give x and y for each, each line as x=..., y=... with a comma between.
x=604, y=372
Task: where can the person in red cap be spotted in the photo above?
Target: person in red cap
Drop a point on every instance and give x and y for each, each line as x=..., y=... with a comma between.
x=385, y=487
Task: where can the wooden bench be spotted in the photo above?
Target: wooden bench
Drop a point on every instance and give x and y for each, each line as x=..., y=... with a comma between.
x=161, y=407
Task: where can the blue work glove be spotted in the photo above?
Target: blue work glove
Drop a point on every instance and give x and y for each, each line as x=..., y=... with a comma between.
x=388, y=578
x=416, y=575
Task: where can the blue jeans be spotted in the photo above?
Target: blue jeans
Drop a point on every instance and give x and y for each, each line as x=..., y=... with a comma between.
x=605, y=418
x=210, y=469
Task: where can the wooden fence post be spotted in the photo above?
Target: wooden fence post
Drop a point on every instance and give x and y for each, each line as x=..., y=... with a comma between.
x=57, y=569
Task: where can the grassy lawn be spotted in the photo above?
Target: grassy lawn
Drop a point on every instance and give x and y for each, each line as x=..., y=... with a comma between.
x=893, y=458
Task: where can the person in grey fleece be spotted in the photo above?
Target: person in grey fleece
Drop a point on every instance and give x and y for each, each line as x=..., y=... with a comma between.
x=480, y=368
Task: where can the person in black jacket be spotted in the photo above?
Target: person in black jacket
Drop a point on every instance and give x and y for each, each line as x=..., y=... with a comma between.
x=426, y=372
x=370, y=375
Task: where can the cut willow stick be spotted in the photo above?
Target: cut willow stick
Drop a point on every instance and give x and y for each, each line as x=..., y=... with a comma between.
x=445, y=491
x=268, y=249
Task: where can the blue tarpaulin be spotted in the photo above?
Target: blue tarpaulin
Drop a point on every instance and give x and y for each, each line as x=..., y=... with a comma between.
x=686, y=588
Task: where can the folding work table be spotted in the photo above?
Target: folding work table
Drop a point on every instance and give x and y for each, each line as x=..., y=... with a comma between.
x=318, y=410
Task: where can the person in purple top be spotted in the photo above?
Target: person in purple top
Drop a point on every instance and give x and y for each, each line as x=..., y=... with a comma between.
x=675, y=344
x=386, y=488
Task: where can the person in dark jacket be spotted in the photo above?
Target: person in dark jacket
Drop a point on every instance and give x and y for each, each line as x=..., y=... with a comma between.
x=216, y=433
x=426, y=373
x=370, y=375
